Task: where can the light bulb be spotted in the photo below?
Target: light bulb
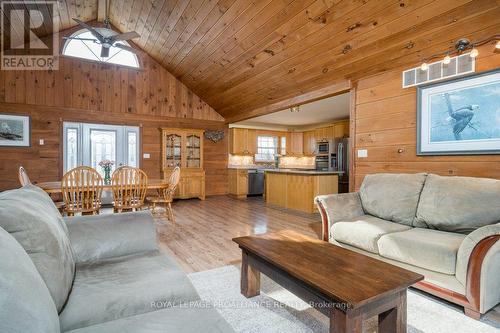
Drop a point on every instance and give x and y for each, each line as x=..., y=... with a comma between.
x=424, y=66
x=446, y=60
x=474, y=52
x=497, y=45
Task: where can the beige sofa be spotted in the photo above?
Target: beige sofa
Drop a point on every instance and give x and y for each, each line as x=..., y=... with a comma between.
x=446, y=228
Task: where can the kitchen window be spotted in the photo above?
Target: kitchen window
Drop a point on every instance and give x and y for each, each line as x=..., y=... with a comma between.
x=267, y=148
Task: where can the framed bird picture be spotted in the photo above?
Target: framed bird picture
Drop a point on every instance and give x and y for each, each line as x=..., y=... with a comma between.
x=460, y=117
x=14, y=130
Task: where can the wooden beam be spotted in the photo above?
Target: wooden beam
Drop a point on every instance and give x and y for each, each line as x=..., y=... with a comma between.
x=328, y=91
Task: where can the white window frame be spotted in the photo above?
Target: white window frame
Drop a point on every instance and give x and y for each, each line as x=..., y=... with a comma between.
x=83, y=142
x=97, y=58
x=259, y=157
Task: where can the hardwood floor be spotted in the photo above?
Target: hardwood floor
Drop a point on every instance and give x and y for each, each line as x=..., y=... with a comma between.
x=201, y=237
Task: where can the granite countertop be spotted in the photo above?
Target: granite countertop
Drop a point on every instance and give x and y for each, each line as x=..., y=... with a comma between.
x=304, y=172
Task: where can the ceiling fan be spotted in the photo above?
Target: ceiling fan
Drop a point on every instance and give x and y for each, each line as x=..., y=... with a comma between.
x=106, y=37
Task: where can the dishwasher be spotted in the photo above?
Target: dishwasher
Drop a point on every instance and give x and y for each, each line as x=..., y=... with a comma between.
x=255, y=182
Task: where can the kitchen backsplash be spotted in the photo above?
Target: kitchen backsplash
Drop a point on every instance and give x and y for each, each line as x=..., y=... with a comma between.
x=236, y=160
x=305, y=162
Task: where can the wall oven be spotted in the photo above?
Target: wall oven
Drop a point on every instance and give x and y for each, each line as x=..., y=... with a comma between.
x=322, y=163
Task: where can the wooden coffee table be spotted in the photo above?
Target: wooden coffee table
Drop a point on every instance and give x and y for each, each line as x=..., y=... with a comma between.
x=346, y=286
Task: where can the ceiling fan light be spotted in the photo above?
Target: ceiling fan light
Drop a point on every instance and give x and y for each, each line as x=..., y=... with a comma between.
x=424, y=66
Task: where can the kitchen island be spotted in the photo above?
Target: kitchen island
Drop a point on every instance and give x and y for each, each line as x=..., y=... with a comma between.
x=296, y=189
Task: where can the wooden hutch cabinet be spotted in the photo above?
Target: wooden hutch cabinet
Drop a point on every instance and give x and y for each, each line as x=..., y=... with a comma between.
x=184, y=148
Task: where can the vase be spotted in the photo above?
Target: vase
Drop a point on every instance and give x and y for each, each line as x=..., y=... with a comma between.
x=107, y=175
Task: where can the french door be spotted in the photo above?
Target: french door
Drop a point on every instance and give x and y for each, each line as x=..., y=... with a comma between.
x=88, y=144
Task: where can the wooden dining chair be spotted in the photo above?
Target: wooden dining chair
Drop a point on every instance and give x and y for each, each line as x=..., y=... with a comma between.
x=24, y=180
x=81, y=188
x=166, y=195
x=129, y=187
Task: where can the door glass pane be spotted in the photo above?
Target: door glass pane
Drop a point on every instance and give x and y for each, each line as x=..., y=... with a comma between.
x=102, y=147
x=132, y=149
x=193, y=151
x=71, y=148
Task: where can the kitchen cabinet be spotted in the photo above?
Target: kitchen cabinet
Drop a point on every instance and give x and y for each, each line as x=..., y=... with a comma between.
x=295, y=144
x=309, y=142
x=324, y=133
x=238, y=182
x=184, y=148
x=242, y=141
x=341, y=130
x=297, y=190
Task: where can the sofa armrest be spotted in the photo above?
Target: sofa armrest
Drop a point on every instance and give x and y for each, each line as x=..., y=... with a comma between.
x=97, y=237
x=478, y=266
x=338, y=207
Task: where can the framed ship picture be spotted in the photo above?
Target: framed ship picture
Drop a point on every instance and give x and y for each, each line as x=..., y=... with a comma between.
x=14, y=130
x=460, y=117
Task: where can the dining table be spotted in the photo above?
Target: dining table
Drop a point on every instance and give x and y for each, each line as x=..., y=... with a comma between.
x=54, y=187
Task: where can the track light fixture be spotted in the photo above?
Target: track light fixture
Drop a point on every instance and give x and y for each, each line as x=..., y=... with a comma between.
x=462, y=45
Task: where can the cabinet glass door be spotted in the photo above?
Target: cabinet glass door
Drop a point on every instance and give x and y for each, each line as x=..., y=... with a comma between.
x=173, y=150
x=193, y=151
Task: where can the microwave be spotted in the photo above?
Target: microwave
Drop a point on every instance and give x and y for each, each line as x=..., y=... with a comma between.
x=322, y=147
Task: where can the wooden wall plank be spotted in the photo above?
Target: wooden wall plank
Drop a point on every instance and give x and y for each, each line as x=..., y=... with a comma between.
x=386, y=127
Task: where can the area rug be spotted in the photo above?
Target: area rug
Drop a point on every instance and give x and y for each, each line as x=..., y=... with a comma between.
x=277, y=310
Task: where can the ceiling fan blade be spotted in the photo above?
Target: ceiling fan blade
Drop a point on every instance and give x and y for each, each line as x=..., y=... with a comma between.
x=126, y=36
x=78, y=38
x=104, y=52
x=126, y=48
x=91, y=29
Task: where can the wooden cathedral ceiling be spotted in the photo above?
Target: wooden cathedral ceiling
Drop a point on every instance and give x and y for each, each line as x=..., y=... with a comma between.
x=240, y=55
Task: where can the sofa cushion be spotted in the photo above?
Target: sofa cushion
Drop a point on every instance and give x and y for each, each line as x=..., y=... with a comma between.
x=31, y=217
x=124, y=286
x=364, y=232
x=430, y=249
x=458, y=204
x=25, y=301
x=176, y=319
x=392, y=197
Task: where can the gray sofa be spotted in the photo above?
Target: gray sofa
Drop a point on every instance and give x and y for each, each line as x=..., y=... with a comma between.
x=446, y=228
x=90, y=274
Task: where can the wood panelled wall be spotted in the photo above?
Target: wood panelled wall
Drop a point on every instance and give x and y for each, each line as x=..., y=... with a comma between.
x=88, y=85
x=91, y=92
x=385, y=122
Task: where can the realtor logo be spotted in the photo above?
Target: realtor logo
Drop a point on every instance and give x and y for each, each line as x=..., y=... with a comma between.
x=30, y=39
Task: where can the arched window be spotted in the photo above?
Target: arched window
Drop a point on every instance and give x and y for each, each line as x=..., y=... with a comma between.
x=87, y=49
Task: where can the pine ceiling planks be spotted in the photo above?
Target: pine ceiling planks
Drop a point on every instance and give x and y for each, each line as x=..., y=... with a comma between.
x=243, y=55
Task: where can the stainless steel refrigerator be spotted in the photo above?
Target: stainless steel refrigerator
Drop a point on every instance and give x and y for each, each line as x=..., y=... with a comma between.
x=340, y=162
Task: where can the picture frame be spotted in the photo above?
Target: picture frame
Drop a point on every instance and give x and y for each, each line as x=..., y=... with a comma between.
x=460, y=116
x=15, y=130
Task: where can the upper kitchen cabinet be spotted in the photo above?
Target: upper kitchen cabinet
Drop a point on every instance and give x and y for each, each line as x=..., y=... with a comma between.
x=295, y=144
x=242, y=141
x=341, y=129
x=324, y=133
x=309, y=142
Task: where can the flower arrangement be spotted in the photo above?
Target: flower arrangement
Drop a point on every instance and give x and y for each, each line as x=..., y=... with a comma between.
x=106, y=166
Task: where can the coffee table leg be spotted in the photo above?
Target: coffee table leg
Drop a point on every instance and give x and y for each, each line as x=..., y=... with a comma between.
x=394, y=320
x=250, y=278
x=350, y=321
